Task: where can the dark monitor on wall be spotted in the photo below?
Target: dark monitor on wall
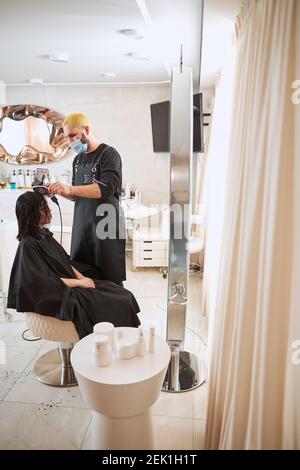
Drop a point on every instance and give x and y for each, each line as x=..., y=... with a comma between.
x=160, y=118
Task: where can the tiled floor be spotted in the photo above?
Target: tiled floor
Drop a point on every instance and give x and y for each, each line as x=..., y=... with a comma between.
x=36, y=416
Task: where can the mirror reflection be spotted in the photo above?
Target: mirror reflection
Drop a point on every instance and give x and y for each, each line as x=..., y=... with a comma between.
x=31, y=134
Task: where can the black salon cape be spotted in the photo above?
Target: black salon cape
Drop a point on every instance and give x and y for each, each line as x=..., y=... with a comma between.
x=35, y=286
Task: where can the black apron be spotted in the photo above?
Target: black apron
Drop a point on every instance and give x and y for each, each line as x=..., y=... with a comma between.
x=106, y=255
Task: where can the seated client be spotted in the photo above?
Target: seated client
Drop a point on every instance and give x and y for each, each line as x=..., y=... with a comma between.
x=44, y=281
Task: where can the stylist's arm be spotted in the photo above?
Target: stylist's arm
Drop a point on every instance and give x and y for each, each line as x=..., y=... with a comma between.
x=91, y=191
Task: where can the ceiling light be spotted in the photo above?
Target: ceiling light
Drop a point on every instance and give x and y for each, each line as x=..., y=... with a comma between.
x=36, y=81
x=136, y=56
x=61, y=57
x=132, y=33
x=107, y=74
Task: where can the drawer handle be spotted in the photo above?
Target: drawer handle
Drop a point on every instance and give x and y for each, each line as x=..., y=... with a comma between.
x=148, y=250
x=147, y=258
x=147, y=241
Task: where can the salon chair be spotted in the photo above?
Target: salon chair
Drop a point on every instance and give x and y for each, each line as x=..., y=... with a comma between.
x=54, y=367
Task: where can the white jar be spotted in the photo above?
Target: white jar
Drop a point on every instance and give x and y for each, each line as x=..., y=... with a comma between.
x=102, y=353
x=126, y=348
x=121, y=333
x=105, y=328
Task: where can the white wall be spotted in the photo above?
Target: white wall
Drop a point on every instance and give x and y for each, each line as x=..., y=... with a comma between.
x=2, y=92
x=121, y=118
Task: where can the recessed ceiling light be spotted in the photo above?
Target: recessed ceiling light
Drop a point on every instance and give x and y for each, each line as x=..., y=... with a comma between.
x=61, y=57
x=136, y=56
x=107, y=74
x=130, y=32
x=36, y=81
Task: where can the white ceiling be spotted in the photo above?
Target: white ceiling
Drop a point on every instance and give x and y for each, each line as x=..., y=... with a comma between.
x=88, y=31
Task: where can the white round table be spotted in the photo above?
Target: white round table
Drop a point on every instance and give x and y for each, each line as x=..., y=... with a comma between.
x=122, y=393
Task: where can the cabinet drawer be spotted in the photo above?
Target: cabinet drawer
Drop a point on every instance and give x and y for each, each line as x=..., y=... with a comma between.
x=153, y=262
x=154, y=245
x=154, y=254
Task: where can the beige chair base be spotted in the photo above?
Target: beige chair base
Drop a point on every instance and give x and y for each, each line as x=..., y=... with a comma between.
x=54, y=368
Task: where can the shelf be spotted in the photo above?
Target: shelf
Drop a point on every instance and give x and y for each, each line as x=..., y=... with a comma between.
x=9, y=190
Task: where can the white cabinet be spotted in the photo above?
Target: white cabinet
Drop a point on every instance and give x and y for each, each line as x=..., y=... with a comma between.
x=150, y=248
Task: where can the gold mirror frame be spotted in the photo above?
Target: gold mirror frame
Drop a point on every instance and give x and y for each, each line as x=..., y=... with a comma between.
x=29, y=155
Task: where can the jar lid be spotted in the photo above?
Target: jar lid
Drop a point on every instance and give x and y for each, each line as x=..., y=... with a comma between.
x=103, y=327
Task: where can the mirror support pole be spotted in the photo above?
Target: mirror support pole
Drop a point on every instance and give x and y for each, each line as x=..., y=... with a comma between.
x=185, y=371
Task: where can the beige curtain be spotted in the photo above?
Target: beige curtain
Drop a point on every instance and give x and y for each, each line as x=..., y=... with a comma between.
x=253, y=383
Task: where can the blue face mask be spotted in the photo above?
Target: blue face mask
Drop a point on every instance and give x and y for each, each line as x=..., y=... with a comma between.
x=78, y=146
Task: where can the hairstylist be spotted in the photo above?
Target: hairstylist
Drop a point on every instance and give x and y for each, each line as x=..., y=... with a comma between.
x=96, y=186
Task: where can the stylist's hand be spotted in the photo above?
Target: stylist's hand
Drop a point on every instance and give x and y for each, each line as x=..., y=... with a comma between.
x=86, y=282
x=60, y=189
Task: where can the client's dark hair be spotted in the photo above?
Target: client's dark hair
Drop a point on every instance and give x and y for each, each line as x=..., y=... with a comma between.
x=29, y=208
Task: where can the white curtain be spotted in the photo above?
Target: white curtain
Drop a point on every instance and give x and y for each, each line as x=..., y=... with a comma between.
x=253, y=394
x=214, y=182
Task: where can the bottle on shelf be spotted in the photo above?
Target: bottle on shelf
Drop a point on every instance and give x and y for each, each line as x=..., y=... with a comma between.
x=13, y=180
x=2, y=182
x=20, y=179
x=127, y=191
x=7, y=182
x=28, y=179
x=13, y=177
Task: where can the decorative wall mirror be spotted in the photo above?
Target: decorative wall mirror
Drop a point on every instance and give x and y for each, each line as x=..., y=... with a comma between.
x=31, y=135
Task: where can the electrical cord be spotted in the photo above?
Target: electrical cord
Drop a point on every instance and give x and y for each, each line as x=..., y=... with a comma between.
x=54, y=199
x=27, y=339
